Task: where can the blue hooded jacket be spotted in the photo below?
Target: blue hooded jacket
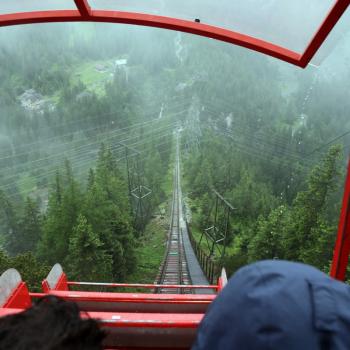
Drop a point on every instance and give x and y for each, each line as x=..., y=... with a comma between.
x=280, y=305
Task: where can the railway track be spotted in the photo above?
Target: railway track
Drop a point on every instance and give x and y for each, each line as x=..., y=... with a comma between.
x=174, y=270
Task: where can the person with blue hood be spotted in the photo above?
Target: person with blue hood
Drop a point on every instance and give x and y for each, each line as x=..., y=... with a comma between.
x=276, y=304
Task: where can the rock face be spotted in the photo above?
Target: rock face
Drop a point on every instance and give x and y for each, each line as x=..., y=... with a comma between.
x=33, y=101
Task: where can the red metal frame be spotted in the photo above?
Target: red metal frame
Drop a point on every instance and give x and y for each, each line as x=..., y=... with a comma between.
x=342, y=245
x=85, y=13
x=83, y=7
x=130, y=320
x=19, y=299
x=135, y=297
x=62, y=284
x=139, y=285
x=331, y=20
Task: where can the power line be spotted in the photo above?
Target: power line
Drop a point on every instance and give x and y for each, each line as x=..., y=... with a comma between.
x=265, y=156
x=91, y=129
x=75, y=166
x=328, y=143
x=82, y=154
x=110, y=135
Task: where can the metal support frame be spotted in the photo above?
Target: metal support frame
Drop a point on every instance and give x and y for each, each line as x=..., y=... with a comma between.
x=342, y=244
x=137, y=191
x=85, y=13
x=213, y=235
x=83, y=7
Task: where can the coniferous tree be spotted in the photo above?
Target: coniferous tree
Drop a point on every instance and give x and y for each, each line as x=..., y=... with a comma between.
x=107, y=209
x=49, y=245
x=306, y=215
x=9, y=224
x=87, y=258
x=91, y=179
x=267, y=242
x=30, y=228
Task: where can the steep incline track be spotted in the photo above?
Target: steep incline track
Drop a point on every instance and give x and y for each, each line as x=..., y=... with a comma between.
x=174, y=270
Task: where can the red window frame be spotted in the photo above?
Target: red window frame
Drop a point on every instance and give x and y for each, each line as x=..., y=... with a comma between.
x=85, y=13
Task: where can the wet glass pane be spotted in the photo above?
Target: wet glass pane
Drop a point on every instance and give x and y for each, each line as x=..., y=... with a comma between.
x=10, y=6
x=287, y=23
x=54, y=275
x=9, y=281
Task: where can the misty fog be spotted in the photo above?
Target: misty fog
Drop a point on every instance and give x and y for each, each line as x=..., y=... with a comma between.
x=253, y=126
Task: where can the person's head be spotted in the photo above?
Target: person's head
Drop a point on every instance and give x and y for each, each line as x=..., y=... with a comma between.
x=278, y=305
x=51, y=324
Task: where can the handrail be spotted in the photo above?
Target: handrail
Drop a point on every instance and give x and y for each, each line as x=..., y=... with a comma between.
x=139, y=285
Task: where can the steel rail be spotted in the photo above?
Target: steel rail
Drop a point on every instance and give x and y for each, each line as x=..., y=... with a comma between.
x=174, y=270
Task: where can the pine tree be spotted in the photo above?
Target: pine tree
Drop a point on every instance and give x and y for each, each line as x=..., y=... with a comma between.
x=91, y=179
x=108, y=212
x=9, y=224
x=72, y=200
x=87, y=258
x=51, y=240
x=307, y=211
x=30, y=228
x=267, y=241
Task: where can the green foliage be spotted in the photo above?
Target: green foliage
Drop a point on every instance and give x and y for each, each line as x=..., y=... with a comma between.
x=251, y=197
x=30, y=228
x=149, y=252
x=267, y=242
x=32, y=271
x=307, y=231
x=259, y=163
x=8, y=223
x=266, y=224
x=87, y=258
x=91, y=231
x=64, y=206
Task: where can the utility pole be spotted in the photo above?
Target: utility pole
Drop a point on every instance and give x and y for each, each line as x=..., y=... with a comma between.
x=217, y=234
x=138, y=192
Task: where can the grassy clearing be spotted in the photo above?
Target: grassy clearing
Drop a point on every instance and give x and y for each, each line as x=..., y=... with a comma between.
x=92, y=78
x=150, y=251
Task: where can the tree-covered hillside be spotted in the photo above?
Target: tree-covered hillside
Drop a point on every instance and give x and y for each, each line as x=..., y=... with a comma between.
x=87, y=118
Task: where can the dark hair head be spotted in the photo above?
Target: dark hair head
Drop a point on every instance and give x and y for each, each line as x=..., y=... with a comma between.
x=51, y=324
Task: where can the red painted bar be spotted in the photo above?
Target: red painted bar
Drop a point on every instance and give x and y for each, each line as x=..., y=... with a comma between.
x=331, y=20
x=147, y=320
x=144, y=320
x=19, y=298
x=342, y=245
x=84, y=13
x=154, y=21
x=147, y=286
x=83, y=7
x=37, y=295
x=135, y=297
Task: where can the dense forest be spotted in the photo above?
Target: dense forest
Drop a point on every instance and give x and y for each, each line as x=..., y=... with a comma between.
x=87, y=119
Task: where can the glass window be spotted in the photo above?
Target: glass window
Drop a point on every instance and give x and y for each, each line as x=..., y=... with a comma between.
x=10, y=6
x=286, y=23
